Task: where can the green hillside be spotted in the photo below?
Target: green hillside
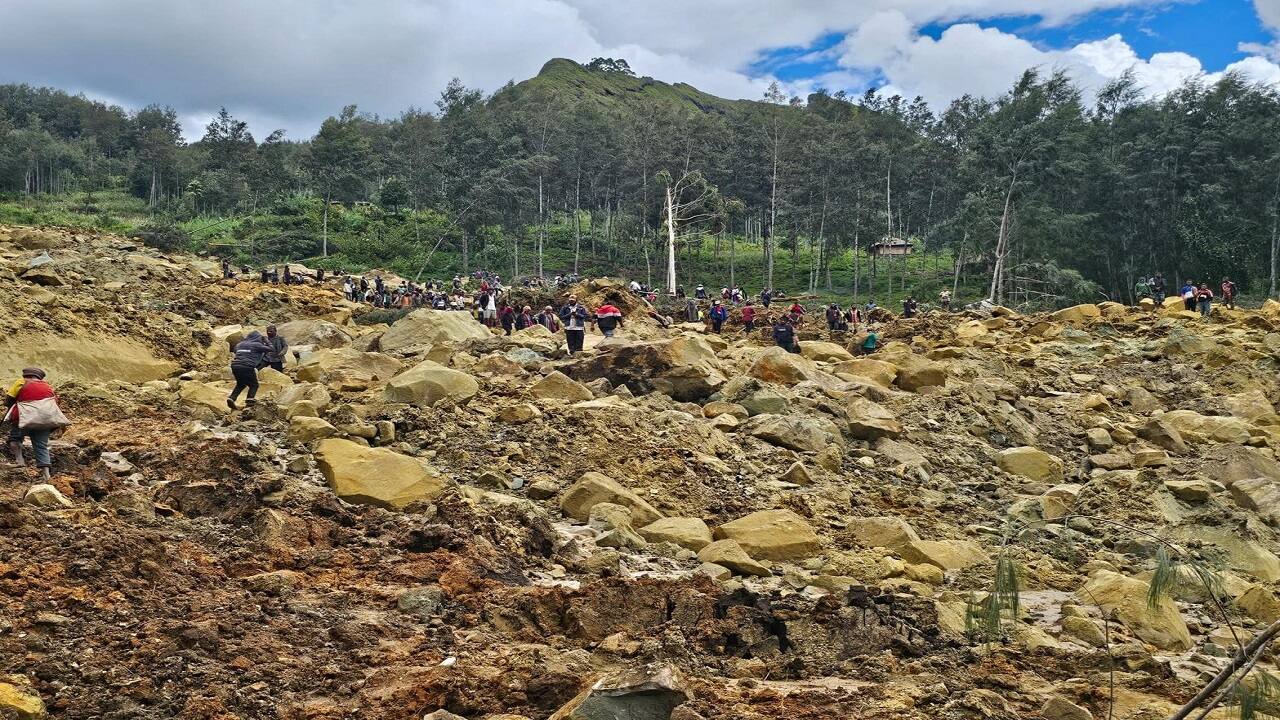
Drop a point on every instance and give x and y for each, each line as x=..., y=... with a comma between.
x=572, y=82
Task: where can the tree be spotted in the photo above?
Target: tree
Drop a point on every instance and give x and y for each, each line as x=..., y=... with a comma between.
x=394, y=194
x=338, y=163
x=691, y=205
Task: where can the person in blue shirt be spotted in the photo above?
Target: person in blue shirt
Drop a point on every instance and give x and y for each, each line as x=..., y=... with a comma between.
x=718, y=315
x=1188, y=293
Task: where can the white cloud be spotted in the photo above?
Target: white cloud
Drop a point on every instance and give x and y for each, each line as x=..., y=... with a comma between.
x=289, y=63
x=1268, y=12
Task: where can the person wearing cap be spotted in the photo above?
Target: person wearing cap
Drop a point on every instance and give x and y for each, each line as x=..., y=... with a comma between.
x=574, y=317
x=30, y=388
x=718, y=315
x=279, y=349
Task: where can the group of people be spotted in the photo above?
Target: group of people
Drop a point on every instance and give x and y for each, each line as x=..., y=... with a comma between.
x=1196, y=297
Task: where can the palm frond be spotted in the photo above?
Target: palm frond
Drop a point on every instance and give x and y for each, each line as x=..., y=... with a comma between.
x=1163, y=579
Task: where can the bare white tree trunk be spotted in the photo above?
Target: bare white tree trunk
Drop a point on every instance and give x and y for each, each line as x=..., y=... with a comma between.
x=542, y=226
x=324, y=230
x=1002, y=246
x=671, y=244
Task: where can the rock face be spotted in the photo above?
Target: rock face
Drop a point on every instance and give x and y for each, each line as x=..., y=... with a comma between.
x=1077, y=315
x=690, y=533
x=772, y=535
x=432, y=327
x=376, y=476
x=1031, y=463
x=634, y=694
x=593, y=488
x=429, y=383
x=684, y=367
x=558, y=386
x=1161, y=626
x=20, y=701
x=99, y=358
x=1195, y=427
x=796, y=432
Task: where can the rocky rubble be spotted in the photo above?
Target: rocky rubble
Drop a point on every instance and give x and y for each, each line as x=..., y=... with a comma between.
x=429, y=519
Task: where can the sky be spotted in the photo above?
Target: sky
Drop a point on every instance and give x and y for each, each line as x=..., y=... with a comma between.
x=288, y=64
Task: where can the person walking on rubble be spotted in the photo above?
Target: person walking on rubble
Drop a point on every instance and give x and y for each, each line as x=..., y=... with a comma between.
x=748, y=317
x=279, y=349
x=507, y=316
x=608, y=318
x=548, y=319
x=1228, y=293
x=574, y=317
x=32, y=411
x=784, y=335
x=719, y=313
x=250, y=354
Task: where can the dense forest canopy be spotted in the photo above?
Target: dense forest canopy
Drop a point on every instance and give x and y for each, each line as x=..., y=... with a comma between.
x=1035, y=183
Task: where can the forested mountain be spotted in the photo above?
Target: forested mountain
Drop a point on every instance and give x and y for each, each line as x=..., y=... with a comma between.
x=1028, y=189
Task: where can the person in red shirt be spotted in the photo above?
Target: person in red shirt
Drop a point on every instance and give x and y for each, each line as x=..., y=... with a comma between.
x=797, y=313
x=1228, y=293
x=30, y=388
x=749, y=317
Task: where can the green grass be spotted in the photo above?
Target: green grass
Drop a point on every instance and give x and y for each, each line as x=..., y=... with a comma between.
x=360, y=241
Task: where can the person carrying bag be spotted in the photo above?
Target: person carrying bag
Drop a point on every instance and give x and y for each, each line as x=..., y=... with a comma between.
x=34, y=413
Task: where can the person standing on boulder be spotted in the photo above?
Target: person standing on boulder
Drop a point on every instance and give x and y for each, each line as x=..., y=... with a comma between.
x=251, y=353
x=574, y=317
x=748, y=317
x=279, y=348
x=31, y=388
x=784, y=335
x=718, y=315
x=1158, y=289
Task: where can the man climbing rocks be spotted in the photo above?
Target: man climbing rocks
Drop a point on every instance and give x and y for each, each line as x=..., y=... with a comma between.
x=31, y=388
x=574, y=317
x=279, y=349
x=608, y=318
x=719, y=313
x=250, y=354
x=784, y=335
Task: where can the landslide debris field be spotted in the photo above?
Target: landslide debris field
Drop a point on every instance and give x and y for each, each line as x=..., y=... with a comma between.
x=430, y=518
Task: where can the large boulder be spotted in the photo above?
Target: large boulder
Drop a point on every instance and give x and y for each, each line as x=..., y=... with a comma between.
x=641, y=693
x=877, y=371
x=432, y=327
x=772, y=535
x=684, y=367
x=314, y=393
x=315, y=333
x=824, y=351
x=303, y=429
x=377, y=476
x=1195, y=427
x=429, y=383
x=870, y=420
x=891, y=533
x=796, y=432
x=776, y=365
x=728, y=553
x=1126, y=599
x=19, y=700
x=348, y=369
x=914, y=371
x=558, y=386
x=594, y=488
x=1077, y=315
x=1031, y=463
x=944, y=554
x=687, y=532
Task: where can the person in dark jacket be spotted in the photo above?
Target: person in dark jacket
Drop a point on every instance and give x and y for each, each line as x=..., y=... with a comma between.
x=718, y=315
x=784, y=335
x=525, y=319
x=833, y=317
x=279, y=349
x=574, y=317
x=507, y=316
x=608, y=318
x=250, y=354
x=548, y=319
